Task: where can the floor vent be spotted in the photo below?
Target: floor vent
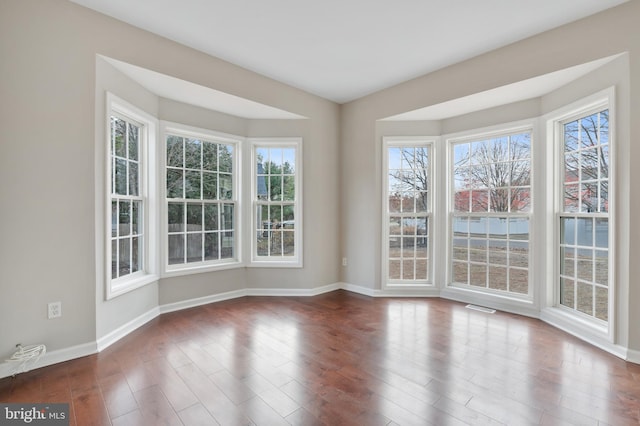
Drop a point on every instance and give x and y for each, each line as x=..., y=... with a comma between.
x=481, y=309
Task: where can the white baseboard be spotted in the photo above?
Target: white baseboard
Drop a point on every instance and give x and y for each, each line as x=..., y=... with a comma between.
x=293, y=291
x=366, y=291
x=54, y=357
x=120, y=332
x=192, y=303
x=633, y=356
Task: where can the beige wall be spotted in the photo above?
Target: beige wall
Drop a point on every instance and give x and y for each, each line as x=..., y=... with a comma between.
x=51, y=88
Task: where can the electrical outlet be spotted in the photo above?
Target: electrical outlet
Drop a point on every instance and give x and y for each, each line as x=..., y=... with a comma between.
x=344, y=261
x=55, y=310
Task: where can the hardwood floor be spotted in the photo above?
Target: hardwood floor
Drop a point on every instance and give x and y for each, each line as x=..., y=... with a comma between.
x=340, y=359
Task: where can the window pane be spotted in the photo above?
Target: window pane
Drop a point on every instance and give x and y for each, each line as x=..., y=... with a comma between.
x=585, y=298
x=520, y=199
x=192, y=184
x=175, y=151
x=211, y=217
x=585, y=265
x=176, y=249
x=136, y=254
x=134, y=132
x=227, y=243
x=228, y=216
x=519, y=228
x=288, y=216
x=175, y=216
x=193, y=154
x=121, y=176
x=134, y=179
x=498, y=252
x=518, y=280
x=225, y=187
x=602, y=303
x=460, y=227
x=519, y=254
x=497, y=278
x=571, y=197
x=478, y=250
x=288, y=243
x=461, y=155
x=124, y=218
x=194, y=247
x=211, y=246
x=394, y=269
x=567, y=261
x=567, y=230
x=408, y=272
x=194, y=217
x=225, y=158
x=120, y=138
x=602, y=232
x=136, y=217
x=209, y=186
x=288, y=188
x=114, y=259
x=460, y=249
x=460, y=272
x=175, y=183
x=114, y=218
x=478, y=275
x=602, y=267
x=124, y=263
x=289, y=158
x=276, y=187
x=589, y=197
x=585, y=231
x=479, y=201
x=498, y=227
x=209, y=156
x=567, y=292
x=571, y=136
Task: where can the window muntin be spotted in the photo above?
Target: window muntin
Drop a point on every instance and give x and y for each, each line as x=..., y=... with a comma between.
x=276, y=183
x=491, y=212
x=127, y=201
x=584, y=215
x=407, y=212
x=201, y=200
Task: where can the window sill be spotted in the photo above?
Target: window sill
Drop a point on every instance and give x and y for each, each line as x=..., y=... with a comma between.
x=117, y=288
x=200, y=268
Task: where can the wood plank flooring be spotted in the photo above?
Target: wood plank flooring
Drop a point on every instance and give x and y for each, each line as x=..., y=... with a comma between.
x=340, y=359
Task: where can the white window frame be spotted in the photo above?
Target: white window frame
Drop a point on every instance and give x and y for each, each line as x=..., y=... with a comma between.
x=592, y=328
x=181, y=130
x=295, y=261
x=486, y=293
x=407, y=141
x=147, y=190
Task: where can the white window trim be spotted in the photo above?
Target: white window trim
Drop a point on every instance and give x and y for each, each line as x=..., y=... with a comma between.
x=295, y=261
x=593, y=330
x=506, y=300
x=148, y=169
x=408, y=285
x=183, y=130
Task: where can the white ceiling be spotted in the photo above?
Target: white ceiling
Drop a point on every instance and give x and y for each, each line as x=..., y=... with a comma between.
x=345, y=49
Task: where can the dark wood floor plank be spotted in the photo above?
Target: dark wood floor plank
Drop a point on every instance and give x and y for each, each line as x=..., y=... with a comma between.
x=340, y=359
